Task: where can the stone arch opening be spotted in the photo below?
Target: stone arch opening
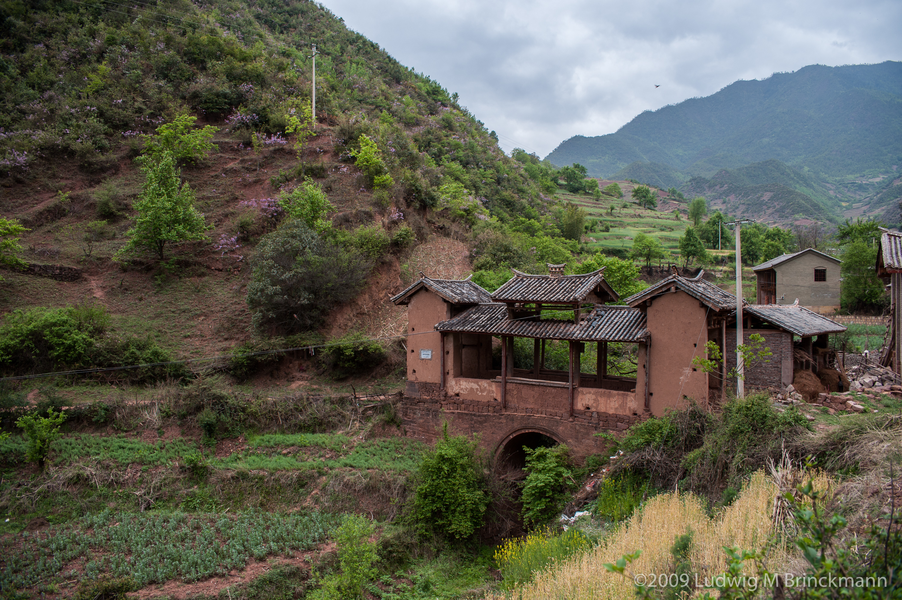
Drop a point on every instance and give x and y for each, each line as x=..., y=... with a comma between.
x=510, y=458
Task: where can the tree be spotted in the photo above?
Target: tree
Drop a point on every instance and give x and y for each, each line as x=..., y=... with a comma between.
x=572, y=221
x=574, y=177
x=646, y=248
x=644, y=196
x=861, y=289
x=451, y=495
x=715, y=231
x=698, y=208
x=309, y=203
x=298, y=278
x=691, y=247
x=613, y=189
x=166, y=212
x=181, y=140
x=622, y=275
x=10, y=230
x=866, y=231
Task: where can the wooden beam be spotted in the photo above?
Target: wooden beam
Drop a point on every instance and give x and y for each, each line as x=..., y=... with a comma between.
x=536, y=355
x=570, y=381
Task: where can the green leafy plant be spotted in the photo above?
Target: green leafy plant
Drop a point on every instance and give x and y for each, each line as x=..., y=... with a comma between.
x=548, y=477
x=10, y=230
x=356, y=557
x=309, y=203
x=166, y=212
x=753, y=354
x=519, y=559
x=451, y=496
x=369, y=160
x=179, y=139
x=40, y=432
x=351, y=354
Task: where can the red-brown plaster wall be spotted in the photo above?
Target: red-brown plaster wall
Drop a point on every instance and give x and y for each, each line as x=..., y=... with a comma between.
x=678, y=327
x=424, y=311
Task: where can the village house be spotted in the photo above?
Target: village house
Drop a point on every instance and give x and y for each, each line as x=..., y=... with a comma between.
x=809, y=276
x=544, y=356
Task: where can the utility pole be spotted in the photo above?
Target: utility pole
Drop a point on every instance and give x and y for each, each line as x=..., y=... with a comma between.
x=314, y=86
x=740, y=366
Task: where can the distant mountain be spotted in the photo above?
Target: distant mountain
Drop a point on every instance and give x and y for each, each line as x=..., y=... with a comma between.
x=836, y=130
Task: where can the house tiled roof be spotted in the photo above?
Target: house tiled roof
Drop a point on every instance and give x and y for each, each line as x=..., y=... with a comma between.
x=455, y=291
x=563, y=289
x=704, y=291
x=890, y=258
x=787, y=257
x=603, y=323
x=798, y=320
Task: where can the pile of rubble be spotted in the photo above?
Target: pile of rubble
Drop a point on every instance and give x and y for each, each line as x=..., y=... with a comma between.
x=866, y=381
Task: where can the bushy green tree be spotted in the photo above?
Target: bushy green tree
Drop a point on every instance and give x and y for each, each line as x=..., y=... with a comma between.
x=356, y=557
x=698, y=208
x=861, y=289
x=166, y=212
x=40, y=432
x=644, y=196
x=309, y=203
x=691, y=247
x=179, y=139
x=573, y=221
x=369, y=160
x=548, y=477
x=10, y=230
x=451, y=496
x=715, y=231
x=622, y=275
x=613, y=189
x=574, y=178
x=646, y=248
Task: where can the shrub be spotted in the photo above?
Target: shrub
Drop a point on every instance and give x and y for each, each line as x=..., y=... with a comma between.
x=297, y=278
x=179, y=139
x=309, y=203
x=356, y=555
x=619, y=495
x=403, y=237
x=451, y=495
x=352, y=354
x=10, y=230
x=44, y=338
x=370, y=240
x=548, y=477
x=369, y=160
x=40, y=432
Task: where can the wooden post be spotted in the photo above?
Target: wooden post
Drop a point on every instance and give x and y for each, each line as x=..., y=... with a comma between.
x=570, y=381
x=503, y=373
x=723, y=362
x=536, y=354
x=602, y=367
x=441, y=361
x=542, y=359
x=896, y=281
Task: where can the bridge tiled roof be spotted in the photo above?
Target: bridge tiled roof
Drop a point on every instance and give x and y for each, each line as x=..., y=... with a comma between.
x=551, y=289
x=603, y=323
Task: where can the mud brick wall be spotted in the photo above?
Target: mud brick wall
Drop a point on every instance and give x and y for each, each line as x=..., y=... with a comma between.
x=765, y=374
x=425, y=414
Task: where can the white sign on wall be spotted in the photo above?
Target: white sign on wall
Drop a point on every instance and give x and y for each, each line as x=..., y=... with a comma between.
x=426, y=354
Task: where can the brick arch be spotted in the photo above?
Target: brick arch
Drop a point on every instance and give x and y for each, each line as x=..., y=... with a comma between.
x=503, y=454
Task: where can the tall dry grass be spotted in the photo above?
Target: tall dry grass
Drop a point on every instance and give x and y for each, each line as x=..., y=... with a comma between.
x=745, y=524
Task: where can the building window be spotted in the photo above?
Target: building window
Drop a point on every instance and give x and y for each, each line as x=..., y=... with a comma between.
x=820, y=274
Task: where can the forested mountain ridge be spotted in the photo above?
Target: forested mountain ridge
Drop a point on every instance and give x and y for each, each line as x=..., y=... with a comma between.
x=839, y=127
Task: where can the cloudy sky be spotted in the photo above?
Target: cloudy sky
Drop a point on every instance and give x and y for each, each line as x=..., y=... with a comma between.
x=538, y=72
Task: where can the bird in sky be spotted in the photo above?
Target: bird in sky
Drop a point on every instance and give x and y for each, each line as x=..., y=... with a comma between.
x=657, y=86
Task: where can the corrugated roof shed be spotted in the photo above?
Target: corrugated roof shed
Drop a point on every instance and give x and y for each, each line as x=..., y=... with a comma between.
x=455, y=291
x=698, y=288
x=798, y=320
x=603, y=323
x=889, y=258
x=787, y=257
x=563, y=289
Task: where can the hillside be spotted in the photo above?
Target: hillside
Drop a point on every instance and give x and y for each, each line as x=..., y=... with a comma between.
x=839, y=126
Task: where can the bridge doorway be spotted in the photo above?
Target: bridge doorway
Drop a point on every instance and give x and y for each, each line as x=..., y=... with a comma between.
x=510, y=459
